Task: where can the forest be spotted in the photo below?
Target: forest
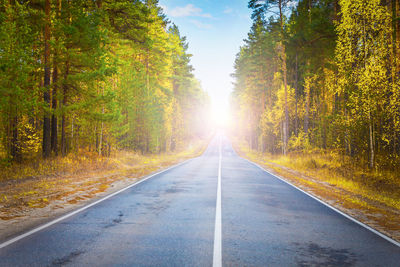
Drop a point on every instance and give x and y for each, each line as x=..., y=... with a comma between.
x=321, y=75
x=94, y=76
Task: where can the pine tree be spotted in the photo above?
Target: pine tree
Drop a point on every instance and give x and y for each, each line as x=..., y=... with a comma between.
x=111, y=73
x=46, y=144
x=260, y=8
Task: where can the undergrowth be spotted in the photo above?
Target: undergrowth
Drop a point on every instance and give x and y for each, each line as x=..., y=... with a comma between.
x=71, y=164
x=85, y=162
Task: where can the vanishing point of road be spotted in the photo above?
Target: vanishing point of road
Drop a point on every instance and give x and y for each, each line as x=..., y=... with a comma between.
x=215, y=210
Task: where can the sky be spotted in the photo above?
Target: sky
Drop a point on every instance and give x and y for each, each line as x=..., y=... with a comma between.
x=215, y=30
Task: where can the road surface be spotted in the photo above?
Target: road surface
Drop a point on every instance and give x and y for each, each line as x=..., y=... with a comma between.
x=217, y=209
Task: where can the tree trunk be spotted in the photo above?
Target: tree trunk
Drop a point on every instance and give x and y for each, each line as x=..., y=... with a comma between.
x=54, y=130
x=14, y=145
x=282, y=137
x=63, y=119
x=397, y=34
x=54, y=123
x=307, y=111
x=296, y=85
x=371, y=144
x=101, y=138
x=73, y=142
x=284, y=70
x=102, y=125
x=46, y=145
x=63, y=141
x=336, y=10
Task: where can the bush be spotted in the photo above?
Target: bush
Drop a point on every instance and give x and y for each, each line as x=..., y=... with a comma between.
x=299, y=142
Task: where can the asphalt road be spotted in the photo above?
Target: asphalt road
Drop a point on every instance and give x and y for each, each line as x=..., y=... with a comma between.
x=171, y=219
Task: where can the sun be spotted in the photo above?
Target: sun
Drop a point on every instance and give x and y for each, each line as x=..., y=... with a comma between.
x=220, y=116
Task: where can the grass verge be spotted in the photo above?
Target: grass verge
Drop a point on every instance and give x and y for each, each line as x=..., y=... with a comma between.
x=369, y=196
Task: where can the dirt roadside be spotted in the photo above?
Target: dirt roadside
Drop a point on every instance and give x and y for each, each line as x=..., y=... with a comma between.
x=18, y=218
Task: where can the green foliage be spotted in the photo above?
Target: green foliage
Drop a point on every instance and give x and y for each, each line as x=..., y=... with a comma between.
x=17, y=41
x=120, y=78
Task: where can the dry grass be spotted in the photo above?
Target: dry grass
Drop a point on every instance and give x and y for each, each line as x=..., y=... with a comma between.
x=61, y=181
x=72, y=164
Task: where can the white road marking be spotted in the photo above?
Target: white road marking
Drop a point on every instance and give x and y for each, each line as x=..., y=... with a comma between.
x=217, y=257
x=331, y=207
x=15, y=239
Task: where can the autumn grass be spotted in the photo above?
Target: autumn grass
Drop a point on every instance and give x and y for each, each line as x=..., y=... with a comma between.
x=71, y=164
x=73, y=179
x=84, y=162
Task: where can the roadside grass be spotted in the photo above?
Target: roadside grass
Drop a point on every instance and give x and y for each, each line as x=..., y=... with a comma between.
x=61, y=181
x=71, y=164
x=85, y=162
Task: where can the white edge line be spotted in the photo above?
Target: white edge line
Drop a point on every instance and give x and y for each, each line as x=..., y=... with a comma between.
x=35, y=230
x=217, y=255
x=331, y=207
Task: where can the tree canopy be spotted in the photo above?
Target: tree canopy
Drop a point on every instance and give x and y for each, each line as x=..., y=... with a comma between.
x=94, y=75
x=341, y=61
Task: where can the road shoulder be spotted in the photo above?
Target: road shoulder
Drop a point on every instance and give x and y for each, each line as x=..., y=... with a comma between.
x=374, y=214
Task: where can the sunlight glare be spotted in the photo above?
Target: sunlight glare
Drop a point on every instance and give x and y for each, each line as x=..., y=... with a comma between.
x=220, y=115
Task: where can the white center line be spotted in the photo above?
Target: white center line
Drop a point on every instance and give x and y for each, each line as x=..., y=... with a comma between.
x=217, y=257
